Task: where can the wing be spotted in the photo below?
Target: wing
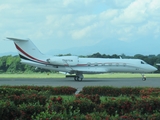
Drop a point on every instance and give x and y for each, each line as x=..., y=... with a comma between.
x=89, y=70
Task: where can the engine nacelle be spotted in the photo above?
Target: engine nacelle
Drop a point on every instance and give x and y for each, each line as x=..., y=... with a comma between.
x=64, y=60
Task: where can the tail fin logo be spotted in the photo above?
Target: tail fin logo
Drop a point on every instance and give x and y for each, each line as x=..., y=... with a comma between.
x=29, y=56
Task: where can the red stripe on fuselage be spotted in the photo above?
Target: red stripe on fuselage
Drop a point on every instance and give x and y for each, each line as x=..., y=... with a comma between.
x=28, y=54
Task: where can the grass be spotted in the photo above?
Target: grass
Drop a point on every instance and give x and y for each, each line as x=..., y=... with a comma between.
x=122, y=75
x=32, y=75
x=58, y=75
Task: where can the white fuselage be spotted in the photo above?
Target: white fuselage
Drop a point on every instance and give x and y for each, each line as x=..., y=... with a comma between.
x=30, y=55
x=99, y=65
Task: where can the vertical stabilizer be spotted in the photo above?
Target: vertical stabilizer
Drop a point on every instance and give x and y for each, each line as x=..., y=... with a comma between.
x=27, y=50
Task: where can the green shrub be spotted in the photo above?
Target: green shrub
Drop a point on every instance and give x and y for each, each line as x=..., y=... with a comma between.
x=28, y=98
x=28, y=110
x=14, y=91
x=111, y=91
x=118, y=106
x=128, y=91
x=150, y=92
x=93, y=98
x=148, y=105
x=155, y=116
x=84, y=105
x=70, y=114
x=8, y=110
x=98, y=116
x=33, y=102
x=62, y=90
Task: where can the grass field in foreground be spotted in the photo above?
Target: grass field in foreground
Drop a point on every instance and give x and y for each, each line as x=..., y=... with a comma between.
x=58, y=75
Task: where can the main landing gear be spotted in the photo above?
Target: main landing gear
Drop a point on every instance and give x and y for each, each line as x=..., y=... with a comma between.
x=144, y=77
x=77, y=77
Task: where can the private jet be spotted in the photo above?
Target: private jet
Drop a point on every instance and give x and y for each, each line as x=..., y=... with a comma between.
x=75, y=66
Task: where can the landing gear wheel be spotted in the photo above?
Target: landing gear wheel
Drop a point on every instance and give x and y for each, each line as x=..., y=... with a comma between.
x=144, y=78
x=77, y=78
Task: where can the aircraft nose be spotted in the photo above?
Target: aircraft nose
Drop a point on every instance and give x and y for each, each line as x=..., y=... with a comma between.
x=154, y=69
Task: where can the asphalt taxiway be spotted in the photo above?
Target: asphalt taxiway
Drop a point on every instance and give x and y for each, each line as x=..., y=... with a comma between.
x=116, y=82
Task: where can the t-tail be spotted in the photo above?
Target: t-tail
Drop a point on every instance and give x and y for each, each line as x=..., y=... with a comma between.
x=28, y=51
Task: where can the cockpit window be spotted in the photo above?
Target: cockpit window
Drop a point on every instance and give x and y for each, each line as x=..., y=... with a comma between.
x=142, y=62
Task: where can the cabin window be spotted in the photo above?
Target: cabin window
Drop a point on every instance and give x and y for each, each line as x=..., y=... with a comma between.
x=96, y=64
x=89, y=64
x=103, y=64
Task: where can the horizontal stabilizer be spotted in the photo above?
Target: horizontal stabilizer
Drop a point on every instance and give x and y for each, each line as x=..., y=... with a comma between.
x=158, y=64
x=16, y=39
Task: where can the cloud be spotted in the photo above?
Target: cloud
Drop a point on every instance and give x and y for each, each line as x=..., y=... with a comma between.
x=82, y=33
x=86, y=19
x=122, y=3
x=154, y=5
x=3, y=7
x=134, y=13
x=151, y=28
x=79, y=23
x=108, y=14
x=153, y=10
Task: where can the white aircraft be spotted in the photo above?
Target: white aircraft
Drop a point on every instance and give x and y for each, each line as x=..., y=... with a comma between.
x=76, y=66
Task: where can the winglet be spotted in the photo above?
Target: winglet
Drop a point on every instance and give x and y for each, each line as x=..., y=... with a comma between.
x=16, y=39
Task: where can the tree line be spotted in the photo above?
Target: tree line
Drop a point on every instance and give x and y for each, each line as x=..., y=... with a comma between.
x=11, y=64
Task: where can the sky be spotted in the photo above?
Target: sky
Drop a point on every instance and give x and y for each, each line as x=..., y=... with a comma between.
x=82, y=26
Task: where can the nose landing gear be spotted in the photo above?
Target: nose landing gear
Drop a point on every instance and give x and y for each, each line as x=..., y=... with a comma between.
x=144, y=77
